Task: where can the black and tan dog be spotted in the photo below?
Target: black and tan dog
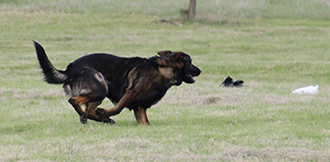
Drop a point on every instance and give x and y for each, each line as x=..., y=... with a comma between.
x=136, y=83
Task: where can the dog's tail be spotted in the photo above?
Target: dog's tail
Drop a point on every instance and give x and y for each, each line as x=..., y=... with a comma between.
x=52, y=75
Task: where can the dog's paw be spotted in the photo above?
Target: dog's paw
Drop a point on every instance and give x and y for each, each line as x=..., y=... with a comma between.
x=83, y=120
x=111, y=122
x=108, y=120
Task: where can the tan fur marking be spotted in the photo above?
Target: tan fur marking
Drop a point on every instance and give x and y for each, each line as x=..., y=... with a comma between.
x=99, y=77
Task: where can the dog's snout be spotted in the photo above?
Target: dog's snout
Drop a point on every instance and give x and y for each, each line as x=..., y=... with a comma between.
x=196, y=71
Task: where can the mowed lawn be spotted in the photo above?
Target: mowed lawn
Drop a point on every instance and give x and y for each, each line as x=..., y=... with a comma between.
x=274, y=46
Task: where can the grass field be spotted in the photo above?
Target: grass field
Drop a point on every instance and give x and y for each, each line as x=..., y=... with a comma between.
x=275, y=46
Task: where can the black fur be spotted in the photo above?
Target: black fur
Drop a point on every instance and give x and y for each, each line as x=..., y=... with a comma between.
x=52, y=75
x=228, y=82
x=136, y=83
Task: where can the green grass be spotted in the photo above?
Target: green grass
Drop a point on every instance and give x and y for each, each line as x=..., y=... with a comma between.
x=275, y=46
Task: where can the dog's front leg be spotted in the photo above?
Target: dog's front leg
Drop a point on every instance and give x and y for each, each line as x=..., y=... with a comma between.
x=123, y=102
x=141, y=116
x=90, y=111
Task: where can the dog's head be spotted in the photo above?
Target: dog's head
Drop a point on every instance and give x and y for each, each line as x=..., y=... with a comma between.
x=181, y=62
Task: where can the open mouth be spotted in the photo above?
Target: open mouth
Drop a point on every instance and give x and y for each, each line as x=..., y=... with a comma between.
x=190, y=74
x=191, y=78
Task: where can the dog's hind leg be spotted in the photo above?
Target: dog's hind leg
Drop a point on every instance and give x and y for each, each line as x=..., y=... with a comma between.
x=90, y=89
x=141, y=116
x=76, y=102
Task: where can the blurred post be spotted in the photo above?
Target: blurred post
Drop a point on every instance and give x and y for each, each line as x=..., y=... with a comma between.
x=192, y=9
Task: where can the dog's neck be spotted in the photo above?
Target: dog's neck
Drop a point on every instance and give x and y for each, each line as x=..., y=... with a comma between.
x=167, y=73
x=163, y=68
x=160, y=61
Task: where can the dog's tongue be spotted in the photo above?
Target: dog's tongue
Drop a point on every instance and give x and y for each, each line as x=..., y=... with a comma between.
x=192, y=78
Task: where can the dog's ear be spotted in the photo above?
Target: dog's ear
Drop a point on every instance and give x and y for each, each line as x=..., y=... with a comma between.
x=162, y=53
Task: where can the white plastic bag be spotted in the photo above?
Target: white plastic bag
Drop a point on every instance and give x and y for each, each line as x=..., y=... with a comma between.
x=309, y=89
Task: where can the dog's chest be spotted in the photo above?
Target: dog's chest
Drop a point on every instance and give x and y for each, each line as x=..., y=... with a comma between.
x=147, y=101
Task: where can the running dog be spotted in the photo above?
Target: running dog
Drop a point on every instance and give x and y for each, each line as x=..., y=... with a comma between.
x=135, y=83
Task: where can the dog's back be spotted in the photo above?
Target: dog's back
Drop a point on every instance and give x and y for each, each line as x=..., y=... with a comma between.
x=104, y=63
x=136, y=83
